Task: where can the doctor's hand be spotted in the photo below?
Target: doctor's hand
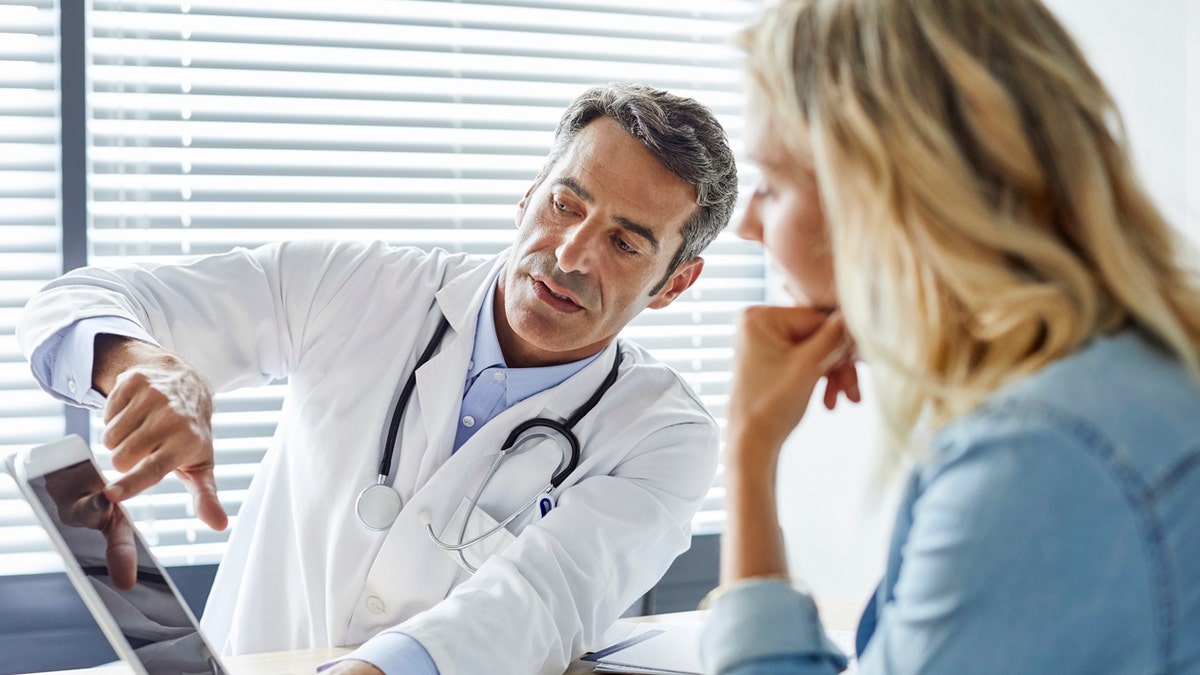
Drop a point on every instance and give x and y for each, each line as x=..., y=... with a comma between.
x=158, y=419
x=781, y=354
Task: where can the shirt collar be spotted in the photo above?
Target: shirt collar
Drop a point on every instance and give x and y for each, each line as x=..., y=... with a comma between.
x=522, y=382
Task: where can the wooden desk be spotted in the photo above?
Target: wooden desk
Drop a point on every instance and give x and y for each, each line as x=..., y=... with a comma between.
x=279, y=663
x=836, y=615
x=275, y=663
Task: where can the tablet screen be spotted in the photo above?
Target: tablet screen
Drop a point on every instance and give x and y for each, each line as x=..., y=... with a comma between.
x=117, y=563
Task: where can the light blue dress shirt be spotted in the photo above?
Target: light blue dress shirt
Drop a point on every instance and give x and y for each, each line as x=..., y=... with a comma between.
x=1056, y=529
x=491, y=386
x=64, y=364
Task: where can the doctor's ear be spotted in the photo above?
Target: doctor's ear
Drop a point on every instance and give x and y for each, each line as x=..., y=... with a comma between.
x=681, y=279
x=525, y=200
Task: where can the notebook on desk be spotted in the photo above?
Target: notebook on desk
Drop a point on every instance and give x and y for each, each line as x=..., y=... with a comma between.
x=649, y=648
x=127, y=590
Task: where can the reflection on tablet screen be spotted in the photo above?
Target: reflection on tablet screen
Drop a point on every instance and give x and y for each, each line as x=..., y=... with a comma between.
x=130, y=583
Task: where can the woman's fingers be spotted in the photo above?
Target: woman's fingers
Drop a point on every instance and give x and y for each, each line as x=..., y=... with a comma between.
x=842, y=379
x=781, y=355
x=828, y=344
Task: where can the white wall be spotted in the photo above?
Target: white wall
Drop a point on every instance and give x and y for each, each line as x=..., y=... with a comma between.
x=1140, y=49
x=837, y=531
x=1193, y=119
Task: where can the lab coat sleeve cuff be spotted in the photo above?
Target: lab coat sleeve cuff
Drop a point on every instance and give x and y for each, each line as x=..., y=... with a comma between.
x=63, y=364
x=394, y=654
x=764, y=618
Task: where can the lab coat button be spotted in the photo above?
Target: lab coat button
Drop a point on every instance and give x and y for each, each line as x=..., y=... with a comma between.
x=375, y=605
x=468, y=421
x=71, y=385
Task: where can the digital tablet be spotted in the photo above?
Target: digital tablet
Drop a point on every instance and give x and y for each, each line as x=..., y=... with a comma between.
x=129, y=593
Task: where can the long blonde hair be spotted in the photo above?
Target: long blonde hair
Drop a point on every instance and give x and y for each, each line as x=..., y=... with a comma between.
x=984, y=215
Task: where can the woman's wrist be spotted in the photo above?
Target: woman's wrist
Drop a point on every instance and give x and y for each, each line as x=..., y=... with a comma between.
x=748, y=454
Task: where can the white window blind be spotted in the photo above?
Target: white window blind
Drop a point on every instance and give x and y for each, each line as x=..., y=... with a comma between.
x=29, y=249
x=222, y=123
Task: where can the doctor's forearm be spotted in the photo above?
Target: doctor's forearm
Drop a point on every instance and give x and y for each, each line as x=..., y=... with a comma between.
x=114, y=354
x=752, y=544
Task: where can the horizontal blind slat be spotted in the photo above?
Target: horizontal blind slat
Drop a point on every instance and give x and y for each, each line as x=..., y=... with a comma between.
x=378, y=20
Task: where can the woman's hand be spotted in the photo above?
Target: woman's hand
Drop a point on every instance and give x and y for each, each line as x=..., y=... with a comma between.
x=781, y=354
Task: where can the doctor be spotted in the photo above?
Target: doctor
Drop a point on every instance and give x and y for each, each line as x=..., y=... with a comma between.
x=637, y=184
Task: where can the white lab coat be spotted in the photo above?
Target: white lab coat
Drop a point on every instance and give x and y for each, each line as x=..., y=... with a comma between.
x=345, y=323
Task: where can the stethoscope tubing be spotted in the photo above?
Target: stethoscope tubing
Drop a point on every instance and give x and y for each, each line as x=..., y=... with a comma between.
x=517, y=436
x=385, y=463
x=462, y=532
x=564, y=428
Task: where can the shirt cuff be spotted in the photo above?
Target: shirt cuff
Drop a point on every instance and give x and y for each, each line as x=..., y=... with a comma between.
x=394, y=654
x=63, y=363
x=763, y=618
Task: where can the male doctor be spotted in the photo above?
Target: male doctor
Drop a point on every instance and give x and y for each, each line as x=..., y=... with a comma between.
x=637, y=184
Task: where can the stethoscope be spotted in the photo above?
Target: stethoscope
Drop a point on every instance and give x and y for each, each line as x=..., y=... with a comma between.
x=378, y=505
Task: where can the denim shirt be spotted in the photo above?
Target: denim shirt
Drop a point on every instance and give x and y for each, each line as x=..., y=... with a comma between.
x=1056, y=529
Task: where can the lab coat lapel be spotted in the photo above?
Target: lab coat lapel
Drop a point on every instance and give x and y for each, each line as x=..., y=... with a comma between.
x=439, y=397
x=440, y=381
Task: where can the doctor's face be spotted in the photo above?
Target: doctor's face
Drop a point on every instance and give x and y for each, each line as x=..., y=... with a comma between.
x=596, y=235
x=785, y=215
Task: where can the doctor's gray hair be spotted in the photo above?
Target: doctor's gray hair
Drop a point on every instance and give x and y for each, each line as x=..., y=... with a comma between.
x=681, y=133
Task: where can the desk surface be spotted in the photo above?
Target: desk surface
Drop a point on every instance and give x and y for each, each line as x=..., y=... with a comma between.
x=836, y=615
x=279, y=663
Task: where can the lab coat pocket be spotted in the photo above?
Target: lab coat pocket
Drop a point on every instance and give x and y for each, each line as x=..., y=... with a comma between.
x=479, y=523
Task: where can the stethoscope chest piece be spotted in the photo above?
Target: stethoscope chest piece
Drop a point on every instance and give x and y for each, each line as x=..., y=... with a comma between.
x=377, y=507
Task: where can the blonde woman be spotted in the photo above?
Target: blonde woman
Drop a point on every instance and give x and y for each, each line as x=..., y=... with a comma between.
x=945, y=184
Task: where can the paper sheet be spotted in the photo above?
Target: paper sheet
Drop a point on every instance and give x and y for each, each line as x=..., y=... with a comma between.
x=652, y=648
